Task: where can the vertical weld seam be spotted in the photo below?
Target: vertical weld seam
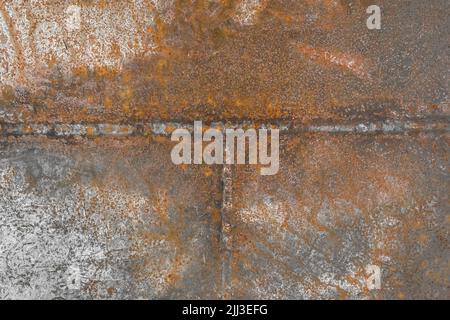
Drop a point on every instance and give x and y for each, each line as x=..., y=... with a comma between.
x=227, y=204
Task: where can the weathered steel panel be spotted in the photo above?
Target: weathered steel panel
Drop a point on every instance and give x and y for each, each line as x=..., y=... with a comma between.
x=91, y=205
x=119, y=61
x=341, y=204
x=106, y=219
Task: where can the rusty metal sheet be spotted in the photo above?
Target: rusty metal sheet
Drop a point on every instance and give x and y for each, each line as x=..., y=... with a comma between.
x=92, y=207
x=106, y=220
x=341, y=204
x=176, y=60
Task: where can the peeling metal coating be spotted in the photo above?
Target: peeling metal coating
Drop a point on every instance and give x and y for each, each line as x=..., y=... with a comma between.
x=91, y=206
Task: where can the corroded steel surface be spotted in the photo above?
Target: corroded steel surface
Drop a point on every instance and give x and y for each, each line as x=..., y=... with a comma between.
x=117, y=213
x=339, y=204
x=256, y=59
x=91, y=205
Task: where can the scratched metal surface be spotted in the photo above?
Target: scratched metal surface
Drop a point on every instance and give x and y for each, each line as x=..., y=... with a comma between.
x=91, y=206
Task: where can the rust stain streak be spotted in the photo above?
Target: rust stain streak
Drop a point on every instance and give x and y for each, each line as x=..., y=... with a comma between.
x=20, y=61
x=349, y=62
